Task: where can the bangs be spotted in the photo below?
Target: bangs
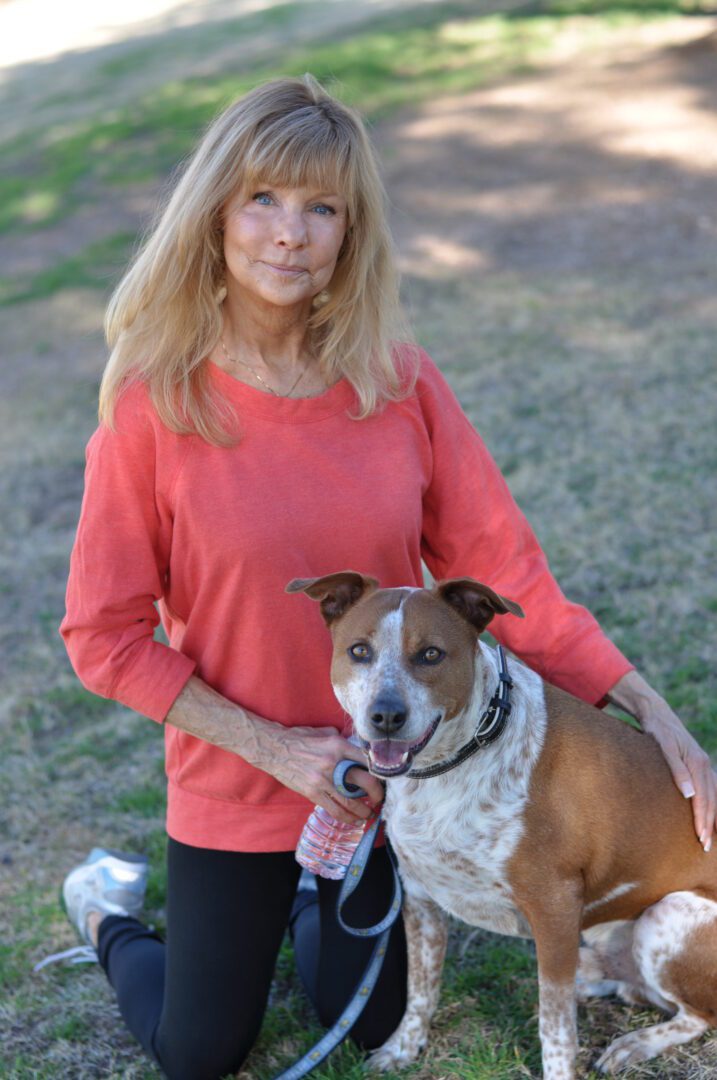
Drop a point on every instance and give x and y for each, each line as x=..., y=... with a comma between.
x=306, y=149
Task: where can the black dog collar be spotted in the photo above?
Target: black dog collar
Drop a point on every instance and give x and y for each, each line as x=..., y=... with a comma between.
x=489, y=727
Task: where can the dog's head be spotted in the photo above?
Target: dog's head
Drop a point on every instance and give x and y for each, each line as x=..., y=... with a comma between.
x=404, y=659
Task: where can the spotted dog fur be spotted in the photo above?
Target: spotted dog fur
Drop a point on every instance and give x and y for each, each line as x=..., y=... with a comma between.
x=568, y=824
x=426, y=937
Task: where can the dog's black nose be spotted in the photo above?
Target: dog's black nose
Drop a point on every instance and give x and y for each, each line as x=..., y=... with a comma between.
x=388, y=714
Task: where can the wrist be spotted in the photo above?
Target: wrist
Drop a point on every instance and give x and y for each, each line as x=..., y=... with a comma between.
x=635, y=696
x=203, y=712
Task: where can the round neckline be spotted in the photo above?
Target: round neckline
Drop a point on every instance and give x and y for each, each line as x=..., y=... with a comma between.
x=282, y=409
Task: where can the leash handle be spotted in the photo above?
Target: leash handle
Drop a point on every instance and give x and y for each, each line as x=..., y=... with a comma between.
x=381, y=930
x=342, y=785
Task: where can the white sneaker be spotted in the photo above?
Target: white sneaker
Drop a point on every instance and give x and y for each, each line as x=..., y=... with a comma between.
x=109, y=882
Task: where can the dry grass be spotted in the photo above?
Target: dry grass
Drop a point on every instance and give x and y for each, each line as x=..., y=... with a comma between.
x=559, y=256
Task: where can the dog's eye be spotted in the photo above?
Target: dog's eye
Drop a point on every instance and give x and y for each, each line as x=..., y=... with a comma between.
x=361, y=651
x=431, y=655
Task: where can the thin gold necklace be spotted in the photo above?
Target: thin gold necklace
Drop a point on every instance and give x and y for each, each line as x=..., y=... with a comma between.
x=257, y=376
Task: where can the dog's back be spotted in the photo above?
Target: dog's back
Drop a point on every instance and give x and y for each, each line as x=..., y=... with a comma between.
x=602, y=802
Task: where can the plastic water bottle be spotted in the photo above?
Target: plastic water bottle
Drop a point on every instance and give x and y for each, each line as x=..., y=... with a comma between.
x=326, y=845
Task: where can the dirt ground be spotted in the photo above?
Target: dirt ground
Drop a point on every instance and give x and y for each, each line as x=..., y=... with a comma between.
x=557, y=234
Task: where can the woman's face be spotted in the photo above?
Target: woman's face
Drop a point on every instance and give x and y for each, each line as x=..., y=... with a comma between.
x=281, y=244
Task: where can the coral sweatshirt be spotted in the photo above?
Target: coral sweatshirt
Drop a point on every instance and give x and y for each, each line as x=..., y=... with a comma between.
x=212, y=536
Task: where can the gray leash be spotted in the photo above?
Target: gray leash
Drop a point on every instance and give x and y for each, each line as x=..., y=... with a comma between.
x=381, y=931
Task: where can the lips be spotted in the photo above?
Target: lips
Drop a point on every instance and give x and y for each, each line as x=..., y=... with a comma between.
x=285, y=269
x=391, y=757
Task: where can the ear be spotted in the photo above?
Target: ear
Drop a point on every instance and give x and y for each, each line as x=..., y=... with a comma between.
x=476, y=602
x=337, y=592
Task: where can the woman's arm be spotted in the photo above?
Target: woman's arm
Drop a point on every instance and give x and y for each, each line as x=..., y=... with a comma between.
x=473, y=526
x=690, y=766
x=300, y=758
x=120, y=561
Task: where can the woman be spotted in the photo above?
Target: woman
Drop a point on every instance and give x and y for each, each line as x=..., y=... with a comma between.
x=257, y=426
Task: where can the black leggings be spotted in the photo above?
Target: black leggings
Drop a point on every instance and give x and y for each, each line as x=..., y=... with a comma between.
x=196, y=1003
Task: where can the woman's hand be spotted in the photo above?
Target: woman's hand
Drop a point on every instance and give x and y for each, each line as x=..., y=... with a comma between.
x=301, y=758
x=304, y=760
x=690, y=766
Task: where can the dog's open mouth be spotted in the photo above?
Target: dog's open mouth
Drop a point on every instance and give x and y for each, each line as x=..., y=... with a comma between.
x=389, y=757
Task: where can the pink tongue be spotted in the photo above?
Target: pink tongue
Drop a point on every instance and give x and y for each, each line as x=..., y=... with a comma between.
x=388, y=754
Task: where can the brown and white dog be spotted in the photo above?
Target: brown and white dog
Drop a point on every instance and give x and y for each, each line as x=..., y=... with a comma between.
x=568, y=824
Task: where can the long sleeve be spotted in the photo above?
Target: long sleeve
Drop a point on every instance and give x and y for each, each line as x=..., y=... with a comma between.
x=118, y=567
x=472, y=526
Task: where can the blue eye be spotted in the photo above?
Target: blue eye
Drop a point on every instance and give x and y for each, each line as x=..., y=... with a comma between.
x=261, y=196
x=324, y=210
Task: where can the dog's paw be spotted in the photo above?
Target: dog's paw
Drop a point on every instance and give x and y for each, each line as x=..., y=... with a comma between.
x=624, y=1052
x=585, y=990
x=396, y=1053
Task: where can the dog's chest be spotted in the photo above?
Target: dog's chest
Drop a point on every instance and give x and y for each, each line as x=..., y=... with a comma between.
x=458, y=859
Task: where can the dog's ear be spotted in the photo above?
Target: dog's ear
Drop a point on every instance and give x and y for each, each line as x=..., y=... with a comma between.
x=475, y=601
x=337, y=592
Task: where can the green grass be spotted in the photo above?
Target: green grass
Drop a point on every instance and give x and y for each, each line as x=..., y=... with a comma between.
x=277, y=17
x=72, y=1027
x=54, y=714
x=154, y=845
x=11, y=967
x=689, y=690
x=34, y=915
x=485, y=1028
x=78, y=704
x=644, y=8
x=95, y=267
x=146, y=801
x=398, y=60
x=104, y=745
x=466, y=1016
x=25, y=1066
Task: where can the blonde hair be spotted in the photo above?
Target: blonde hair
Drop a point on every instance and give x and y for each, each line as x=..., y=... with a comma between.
x=165, y=317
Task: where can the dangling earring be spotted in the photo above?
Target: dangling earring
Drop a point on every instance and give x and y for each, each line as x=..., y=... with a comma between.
x=321, y=298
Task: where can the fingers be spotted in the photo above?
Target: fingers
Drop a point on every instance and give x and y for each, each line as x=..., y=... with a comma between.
x=370, y=783
x=692, y=772
x=318, y=787
x=308, y=767
x=348, y=810
x=704, y=804
x=339, y=749
x=680, y=772
x=689, y=765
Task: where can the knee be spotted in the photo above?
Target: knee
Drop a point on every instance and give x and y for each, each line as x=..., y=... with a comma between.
x=202, y=1055
x=377, y=1022
x=372, y=1031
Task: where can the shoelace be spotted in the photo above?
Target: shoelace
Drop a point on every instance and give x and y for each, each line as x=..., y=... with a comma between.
x=80, y=954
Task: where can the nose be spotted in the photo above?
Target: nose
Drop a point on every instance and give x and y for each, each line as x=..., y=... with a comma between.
x=388, y=714
x=291, y=231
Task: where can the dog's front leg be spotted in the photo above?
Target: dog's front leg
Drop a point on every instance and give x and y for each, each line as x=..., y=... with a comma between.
x=426, y=938
x=556, y=929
